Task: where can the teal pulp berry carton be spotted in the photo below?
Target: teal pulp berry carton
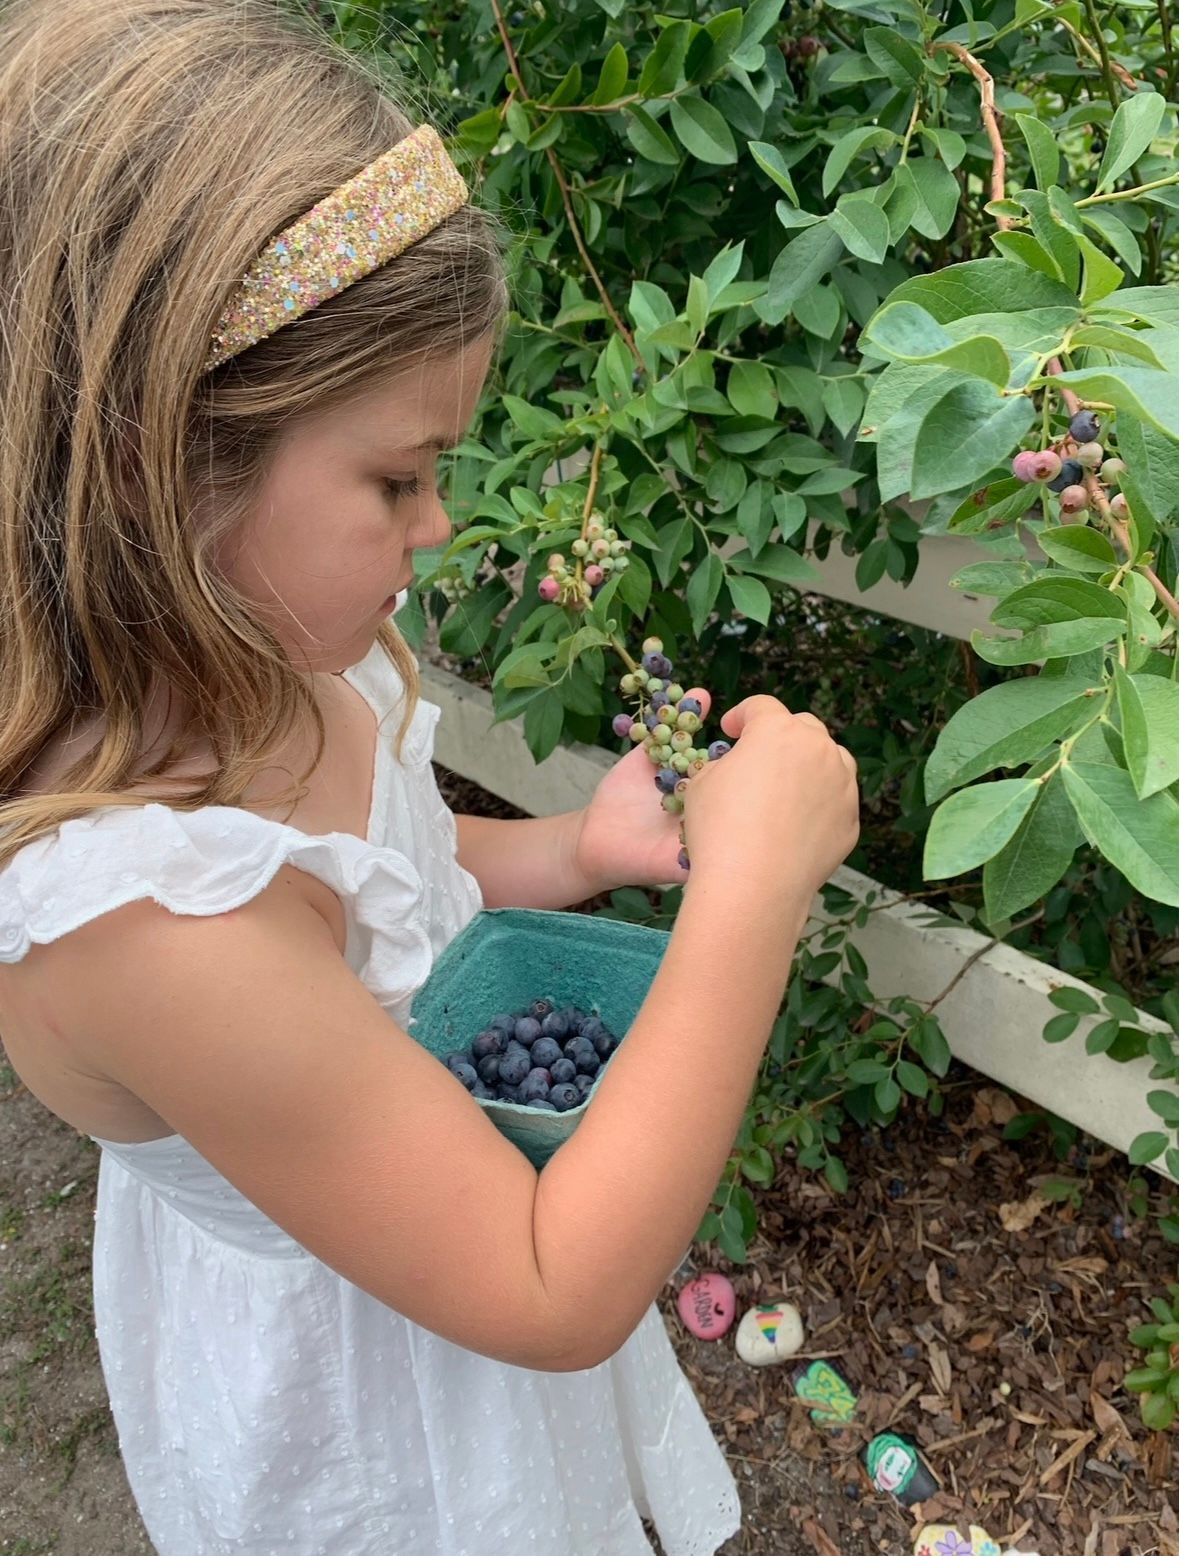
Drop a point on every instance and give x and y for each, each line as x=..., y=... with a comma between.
x=507, y=957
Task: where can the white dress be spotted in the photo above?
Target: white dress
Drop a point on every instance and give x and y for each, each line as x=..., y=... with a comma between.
x=263, y=1403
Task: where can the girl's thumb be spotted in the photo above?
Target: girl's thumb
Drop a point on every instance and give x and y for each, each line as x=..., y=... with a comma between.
x=735, y=721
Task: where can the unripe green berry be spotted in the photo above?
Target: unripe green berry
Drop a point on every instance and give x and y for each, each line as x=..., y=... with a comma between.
x=652, y=645
x=672, y=803
x=607, y=564
x=675, y=692
x=556, y=562
x=666, y=714
x=1119, y=507
x=611, y=534
x=580, y=547
x=617, y=547
x=681, y=788
x=1111, y=471
x=698, y=765
x=688, y=721
x=1089, y=455
x=628, y=686
x=681, y=740
x=680, y=761
x=621, y=563
x=662, y=734
x=656, y=753
x=654, y=684
x=638, y=732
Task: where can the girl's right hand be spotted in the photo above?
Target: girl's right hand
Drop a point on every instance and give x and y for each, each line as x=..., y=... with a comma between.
x=780, y=809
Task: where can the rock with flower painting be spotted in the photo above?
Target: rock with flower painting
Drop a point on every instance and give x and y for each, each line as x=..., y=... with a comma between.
x=945, y=1540
x=770, y=1332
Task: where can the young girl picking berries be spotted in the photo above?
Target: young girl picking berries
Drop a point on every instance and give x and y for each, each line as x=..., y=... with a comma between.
x=245, y=302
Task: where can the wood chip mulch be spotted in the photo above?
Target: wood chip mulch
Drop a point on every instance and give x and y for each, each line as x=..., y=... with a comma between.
x=970, y=1313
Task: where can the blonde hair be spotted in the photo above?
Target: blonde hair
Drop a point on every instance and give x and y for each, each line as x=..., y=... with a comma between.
x=148, y=151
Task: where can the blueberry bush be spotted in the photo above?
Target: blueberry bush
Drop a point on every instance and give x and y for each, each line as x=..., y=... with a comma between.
x=798, y=274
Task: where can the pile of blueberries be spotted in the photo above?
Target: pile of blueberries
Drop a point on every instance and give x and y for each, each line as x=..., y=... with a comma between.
x=543, y=1057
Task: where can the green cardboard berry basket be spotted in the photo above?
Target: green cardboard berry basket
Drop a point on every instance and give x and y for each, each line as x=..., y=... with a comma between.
x=507, y=957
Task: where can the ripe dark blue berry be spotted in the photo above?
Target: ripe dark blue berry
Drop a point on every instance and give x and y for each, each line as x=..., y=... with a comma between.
x=508, y=1094
x=1084, y=426
x=513, y=1068
x=459, y=1057
x=491, y=1041
x=682, y=859
x=587, y=1062
x=658, y=700
x=467, y=1075
x=535, y=1087
x=489, y=1069
x=527, y=1030
x=592, y=1028
x=658, y=665
x=691, y=705
x=717, y=749
x=584, y=1084
x=666, y=779
x=544, y=1104
x=546, y=1051
x=485, y=1092
x=506, y=1024
x=563, y=1070
x=1071, y=472
x=555, y=1024
x=539, y=1009
x=563, y=1097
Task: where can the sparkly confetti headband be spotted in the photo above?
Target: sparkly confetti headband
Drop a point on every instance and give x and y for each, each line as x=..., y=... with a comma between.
x=388, y=205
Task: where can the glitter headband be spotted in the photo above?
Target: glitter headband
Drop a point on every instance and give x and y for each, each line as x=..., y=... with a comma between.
x=388, y=206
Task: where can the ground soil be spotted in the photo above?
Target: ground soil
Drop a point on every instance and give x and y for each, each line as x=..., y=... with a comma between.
x=968, y=1312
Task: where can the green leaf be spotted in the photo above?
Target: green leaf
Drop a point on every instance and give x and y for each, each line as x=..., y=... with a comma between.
x=803, y=263
x=1154, y=460
x=1042, y=148
x=843, y=400
x=664, y=65
x=1133, y=128
x=908, y=333
x=1039, y=853
x=1158, y=1412
x=1055, y=597
x=771, y=162
x=1102, y=276
x=1079, y=1000
x=1059, y=1028
x=887, y=1095
x=612, y=77
x=974, y=824
x=649, y=138
x=1078, y=546
x=780, y=563
x=533, y=420
x=1151, y=395
x=981, y=427
x=865, y=137
x=750, y=596
x=913, y=1078
x=1145, y=1147
x=703, y=588
x=1139, y=837
x=1149, y=708
x=836, y=1174
x=863, y=227
x=702, y=130
x=544, y=719
x=983, y=286
x=1056, y=640
x=1005, y=726
x=895, y=55
x=937, y=194
x=751, y=389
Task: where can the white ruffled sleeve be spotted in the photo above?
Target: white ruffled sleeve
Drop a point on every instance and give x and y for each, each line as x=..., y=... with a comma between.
x=210, y=861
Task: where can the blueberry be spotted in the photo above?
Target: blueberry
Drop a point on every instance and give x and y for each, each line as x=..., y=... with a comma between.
x=717, y=749
x=572, y=1018
x=490, y=1042
x=467, y=1075
x=563, y=1097
x=535, y=1087
x=1071, y=473
x=587, y=1062
x=691, y=705
x=592, y=1029
x=584, y=1085
x=513, y=1068
x=545, y=1051
x=539, y=1009
x=666, y=779
x=563, y=1070
x=1084, y=426
x=543, y=1103
x=556, y=1025
x=658, y=700
x=456, y=1060
x=659, y=665
x=508, y=1094
x=505, y=1024
x=527, y=1030
x=489, y=1069
x=485, y=1092
x=650, y=718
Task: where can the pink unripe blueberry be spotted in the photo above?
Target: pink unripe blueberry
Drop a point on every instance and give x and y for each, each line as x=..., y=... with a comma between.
x=1119, y=507
x=1036, y=465
x=548, y=589
x=556, y=562
x=1074, y=499
x=622, y=725
x=601, y=548
x=1089, y=455
x=594, y=575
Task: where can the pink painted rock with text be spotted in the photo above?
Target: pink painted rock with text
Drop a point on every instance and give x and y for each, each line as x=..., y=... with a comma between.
x=708, y=1306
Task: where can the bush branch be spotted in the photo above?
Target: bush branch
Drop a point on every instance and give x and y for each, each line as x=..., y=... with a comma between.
x=567, y=201
x=990, y=118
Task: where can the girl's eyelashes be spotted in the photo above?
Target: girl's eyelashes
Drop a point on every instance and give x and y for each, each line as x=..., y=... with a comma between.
x=398, y=489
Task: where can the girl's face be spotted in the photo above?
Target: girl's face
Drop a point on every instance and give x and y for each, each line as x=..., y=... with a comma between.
x=349, y=496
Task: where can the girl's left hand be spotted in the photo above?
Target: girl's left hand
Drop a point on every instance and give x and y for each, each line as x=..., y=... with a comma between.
x=626, y=837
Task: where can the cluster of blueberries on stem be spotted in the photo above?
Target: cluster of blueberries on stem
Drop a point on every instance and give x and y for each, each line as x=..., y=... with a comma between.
x=666, y=723
x=1066, y=476
x=543, y=1057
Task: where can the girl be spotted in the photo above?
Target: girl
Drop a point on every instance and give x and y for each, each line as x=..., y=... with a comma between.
x=245, y=301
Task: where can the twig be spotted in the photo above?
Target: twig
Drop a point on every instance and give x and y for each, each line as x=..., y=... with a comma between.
x=567, y=201
x=1111, y=90
x=595, y=473
x=986, y=87
x=1129, y=194
x=1082, y=42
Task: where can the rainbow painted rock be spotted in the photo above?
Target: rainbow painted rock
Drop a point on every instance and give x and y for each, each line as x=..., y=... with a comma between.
x=771, y=1332
x=708, y=1306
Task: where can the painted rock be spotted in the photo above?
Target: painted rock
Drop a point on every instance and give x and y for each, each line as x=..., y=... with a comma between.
x=708, y=1306
x=946, y=1540
x=827, y=1391
x=894, y=1465
x=769, y=1333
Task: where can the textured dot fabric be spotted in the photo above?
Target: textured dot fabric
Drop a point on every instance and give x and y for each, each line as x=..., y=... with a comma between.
x=263, y=1403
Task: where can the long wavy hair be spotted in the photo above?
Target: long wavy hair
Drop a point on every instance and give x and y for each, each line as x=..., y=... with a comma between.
x=149, y=149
